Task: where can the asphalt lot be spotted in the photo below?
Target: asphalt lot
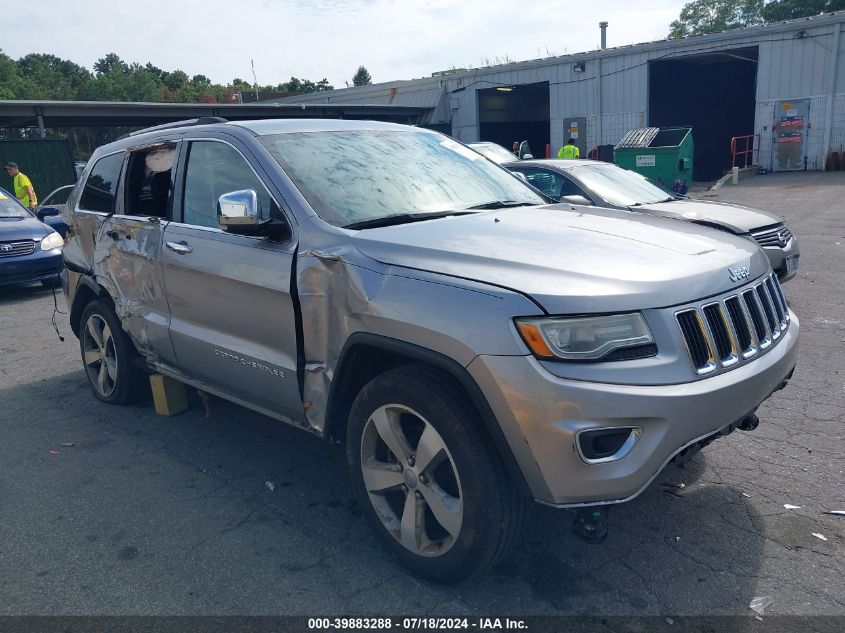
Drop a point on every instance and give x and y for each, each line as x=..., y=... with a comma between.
x=154, y=515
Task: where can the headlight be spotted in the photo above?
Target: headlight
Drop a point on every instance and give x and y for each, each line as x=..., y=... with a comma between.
x=53, y=240
x=585, y=338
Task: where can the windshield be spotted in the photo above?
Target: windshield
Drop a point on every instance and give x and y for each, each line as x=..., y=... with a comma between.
x=10, y=208
x=354, y=176
x=496, y=153
x=619, y=186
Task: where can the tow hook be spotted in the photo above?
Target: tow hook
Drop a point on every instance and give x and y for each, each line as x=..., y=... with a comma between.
x=591, y=524
x=749, y=422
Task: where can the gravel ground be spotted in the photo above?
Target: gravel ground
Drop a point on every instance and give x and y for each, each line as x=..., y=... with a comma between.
x=153, y=515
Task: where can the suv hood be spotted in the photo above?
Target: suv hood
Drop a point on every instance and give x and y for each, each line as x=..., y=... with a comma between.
x=572, y=259
x=733, y=217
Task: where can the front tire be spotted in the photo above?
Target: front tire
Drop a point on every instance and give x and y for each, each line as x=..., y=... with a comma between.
x=107, y=355
x=426, y=477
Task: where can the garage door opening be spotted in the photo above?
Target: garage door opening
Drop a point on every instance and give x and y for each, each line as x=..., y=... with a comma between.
x=516, y=113
x=715, y=94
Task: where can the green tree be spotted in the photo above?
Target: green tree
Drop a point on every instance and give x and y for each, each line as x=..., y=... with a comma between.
x=10, y=77
x=109, y=63
x=709, y=16
x=49, y=77
x=780, y=10
x=362, y=77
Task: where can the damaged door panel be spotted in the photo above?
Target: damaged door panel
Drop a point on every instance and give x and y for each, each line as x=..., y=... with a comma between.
x=128, y=251
x=128, y=256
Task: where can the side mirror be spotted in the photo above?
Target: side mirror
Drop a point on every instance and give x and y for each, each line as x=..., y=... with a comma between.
x=581, y=200
x=44, y=212
x=520, y=175
x=239, y=211
x=527, y=157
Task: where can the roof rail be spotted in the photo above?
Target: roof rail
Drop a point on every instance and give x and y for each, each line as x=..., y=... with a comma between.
x=203, y=120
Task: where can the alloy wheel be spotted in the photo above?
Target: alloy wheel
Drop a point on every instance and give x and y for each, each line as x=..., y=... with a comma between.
x=99, y=355
x=411, y=480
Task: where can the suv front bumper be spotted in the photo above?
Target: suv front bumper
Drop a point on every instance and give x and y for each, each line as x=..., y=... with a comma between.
x=541, y=414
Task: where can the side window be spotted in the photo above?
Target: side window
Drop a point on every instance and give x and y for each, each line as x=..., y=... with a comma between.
x=101, y=185
x=148, y=181
x=554, y=185
x=569, y=188
x=545, y=182
x=214, y=169
x=59, y=196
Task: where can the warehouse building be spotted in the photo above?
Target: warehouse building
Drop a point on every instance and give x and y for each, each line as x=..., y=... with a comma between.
x=783, y=82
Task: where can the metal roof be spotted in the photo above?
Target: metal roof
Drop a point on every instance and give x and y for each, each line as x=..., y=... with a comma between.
x=127, y=114
x=375, y=93
x=640, y=137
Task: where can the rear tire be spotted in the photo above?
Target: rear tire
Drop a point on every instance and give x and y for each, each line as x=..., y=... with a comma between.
x=427, y=479
x=107, y=355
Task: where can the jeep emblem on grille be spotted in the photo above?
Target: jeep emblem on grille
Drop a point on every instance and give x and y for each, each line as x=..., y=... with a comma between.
x=738, y=273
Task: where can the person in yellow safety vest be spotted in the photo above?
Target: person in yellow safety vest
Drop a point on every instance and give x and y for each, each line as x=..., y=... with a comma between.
x=23, y=187
x=570, y=150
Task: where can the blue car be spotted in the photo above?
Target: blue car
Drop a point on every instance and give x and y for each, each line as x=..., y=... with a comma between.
x=29, y=249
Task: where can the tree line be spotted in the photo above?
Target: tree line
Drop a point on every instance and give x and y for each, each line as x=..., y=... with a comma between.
x=709, y=16
x=41, y=77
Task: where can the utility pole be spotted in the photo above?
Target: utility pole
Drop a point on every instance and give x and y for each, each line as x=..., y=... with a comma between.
x=254, y=79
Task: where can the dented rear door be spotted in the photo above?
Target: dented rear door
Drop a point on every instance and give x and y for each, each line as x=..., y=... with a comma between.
x=127, y=259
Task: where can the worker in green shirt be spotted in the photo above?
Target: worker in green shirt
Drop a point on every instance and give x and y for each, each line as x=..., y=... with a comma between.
x=23, y=186
x=570, y=150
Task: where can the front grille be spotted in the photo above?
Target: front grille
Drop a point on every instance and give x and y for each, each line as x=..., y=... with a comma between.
x=16, y=249
x=696, y=340
x=768, y=309
x=752, y=304
x=731, y=330
x=740, y=323
x=778, y=236
x=719, y=331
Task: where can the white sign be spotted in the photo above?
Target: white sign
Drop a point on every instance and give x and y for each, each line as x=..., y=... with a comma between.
x=645, y=160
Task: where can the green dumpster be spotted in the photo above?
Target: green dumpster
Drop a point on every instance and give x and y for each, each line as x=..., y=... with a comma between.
x=663, y=155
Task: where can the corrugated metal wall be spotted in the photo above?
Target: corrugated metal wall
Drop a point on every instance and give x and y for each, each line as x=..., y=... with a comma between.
x=796, y=60
x=793, y=63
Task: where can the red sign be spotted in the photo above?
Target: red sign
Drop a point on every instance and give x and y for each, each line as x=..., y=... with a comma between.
x=791, y=122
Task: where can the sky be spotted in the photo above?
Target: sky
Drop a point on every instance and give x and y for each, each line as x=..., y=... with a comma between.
x=393, y=39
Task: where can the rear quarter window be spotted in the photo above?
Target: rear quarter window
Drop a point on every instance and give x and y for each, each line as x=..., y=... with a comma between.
x=99, y=192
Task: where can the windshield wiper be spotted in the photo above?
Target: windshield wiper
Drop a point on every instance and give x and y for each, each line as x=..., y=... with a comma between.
x=400, y=218
x=501, y=204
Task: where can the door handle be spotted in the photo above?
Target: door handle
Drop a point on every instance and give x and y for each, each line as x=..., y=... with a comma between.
x=183, y=248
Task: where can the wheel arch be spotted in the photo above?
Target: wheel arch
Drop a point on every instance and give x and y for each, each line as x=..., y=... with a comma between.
x=87, y=290
x=366, y=355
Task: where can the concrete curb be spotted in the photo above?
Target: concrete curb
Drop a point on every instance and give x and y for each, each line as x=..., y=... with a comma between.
x=744, y=172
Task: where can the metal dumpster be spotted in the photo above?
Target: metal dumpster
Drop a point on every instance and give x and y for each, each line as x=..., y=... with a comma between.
x=663, y=155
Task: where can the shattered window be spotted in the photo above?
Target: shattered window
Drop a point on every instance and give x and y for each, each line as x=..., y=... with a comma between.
x=352, y=176
x=101, y=185
x=148, y=181
x=214, y=169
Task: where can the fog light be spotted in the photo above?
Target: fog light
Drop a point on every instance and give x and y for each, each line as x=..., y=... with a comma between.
x=607, y=445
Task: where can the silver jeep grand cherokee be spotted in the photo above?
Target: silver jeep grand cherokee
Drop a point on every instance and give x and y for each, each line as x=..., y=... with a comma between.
x=383, y=285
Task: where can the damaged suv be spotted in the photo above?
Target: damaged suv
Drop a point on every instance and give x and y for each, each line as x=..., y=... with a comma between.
x=474, y=347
